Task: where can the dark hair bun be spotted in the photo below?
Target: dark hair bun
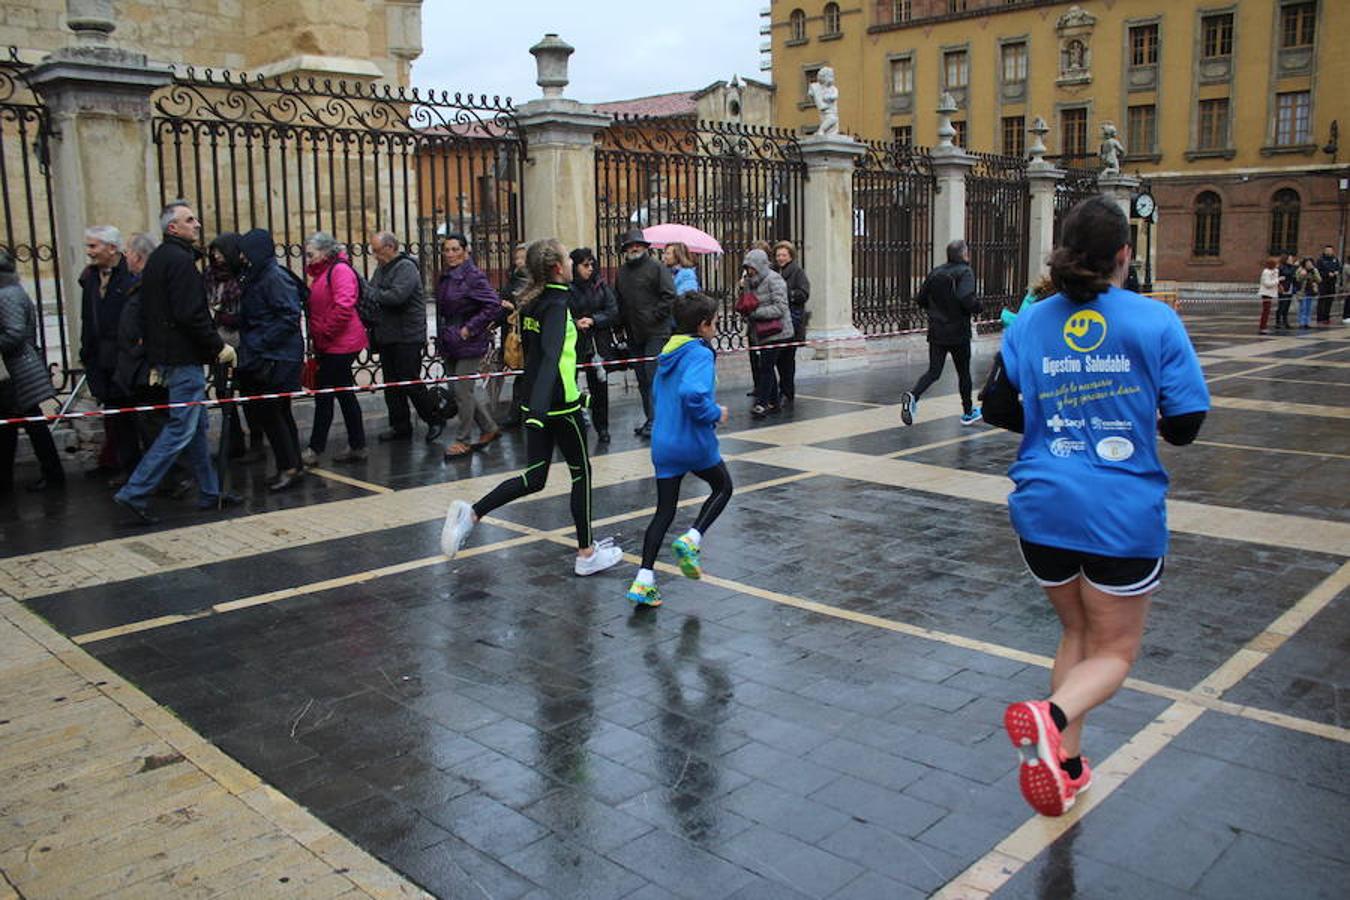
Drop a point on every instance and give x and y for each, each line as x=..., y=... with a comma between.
x=1085, y=258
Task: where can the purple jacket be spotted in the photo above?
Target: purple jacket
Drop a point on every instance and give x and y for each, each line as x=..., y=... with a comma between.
x=465, y=299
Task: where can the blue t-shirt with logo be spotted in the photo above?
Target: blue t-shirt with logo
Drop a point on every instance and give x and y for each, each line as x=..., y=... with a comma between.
x=1094, y=378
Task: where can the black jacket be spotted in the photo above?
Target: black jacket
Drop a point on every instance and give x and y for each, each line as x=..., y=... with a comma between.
x=1329, y=267
x=132, y=375
x=594, y=299
x=403, y=303
x=799, y=291
x=99, y=321
x=269, y=315
x=948, y=295
x=646, y=291
x=29, y=382
x=549, y=382
x=178, y=327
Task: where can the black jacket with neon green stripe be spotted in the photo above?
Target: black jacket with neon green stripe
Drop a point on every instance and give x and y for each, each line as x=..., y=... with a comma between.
x=550, y=339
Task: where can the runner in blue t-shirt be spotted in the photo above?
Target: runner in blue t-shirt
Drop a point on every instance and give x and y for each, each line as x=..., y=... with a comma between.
x=1101, y=371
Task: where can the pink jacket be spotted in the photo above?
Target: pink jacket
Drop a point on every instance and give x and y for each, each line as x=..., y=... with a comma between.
x=333, y=322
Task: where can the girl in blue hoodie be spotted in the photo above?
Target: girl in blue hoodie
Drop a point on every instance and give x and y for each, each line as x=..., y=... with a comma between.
x=684, y=439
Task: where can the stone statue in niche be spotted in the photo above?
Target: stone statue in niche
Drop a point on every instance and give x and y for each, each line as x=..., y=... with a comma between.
x=1074, y=32
x=826, y=98
x=1075, y=57
x=1112, y=151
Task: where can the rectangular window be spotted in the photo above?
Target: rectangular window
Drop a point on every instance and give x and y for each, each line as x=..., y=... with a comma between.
x=955, y=69
x=960, y=138
x=1074, y=132
x=903, y=135
x=955, y=6
x=1141, y=130
x=1014, y=63
x=901, y=10
x=1293, y=118
x=1144, y=45
x=809, y=77
x=1298, y=24
x=902, y=77
x=1216, y=36
x=1213, y=134
x=1014, y=135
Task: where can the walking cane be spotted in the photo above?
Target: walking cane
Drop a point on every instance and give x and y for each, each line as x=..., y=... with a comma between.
x=221, y=376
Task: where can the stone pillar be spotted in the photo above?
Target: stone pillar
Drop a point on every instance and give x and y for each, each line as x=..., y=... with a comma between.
x=828, y=242
x=1120, y=188
x=951, y=164
x=103, y=161
x=1042, y=178
x=559, y=173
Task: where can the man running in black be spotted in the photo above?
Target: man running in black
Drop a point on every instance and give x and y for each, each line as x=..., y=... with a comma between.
x=948, y=296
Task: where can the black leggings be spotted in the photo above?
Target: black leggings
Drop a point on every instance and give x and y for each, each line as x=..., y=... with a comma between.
x=568, y=434
x=937, y=355
x=668, y=496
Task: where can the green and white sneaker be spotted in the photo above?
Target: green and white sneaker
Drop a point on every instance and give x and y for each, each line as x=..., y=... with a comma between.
x=644, y=594
x=687, y=552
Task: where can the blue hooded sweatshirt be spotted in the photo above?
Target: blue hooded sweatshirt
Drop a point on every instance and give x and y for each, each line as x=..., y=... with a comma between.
x=684, y=437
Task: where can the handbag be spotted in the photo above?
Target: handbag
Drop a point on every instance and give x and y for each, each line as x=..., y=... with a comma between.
x=748, y=303
x=309, y=374
x=767, y=328
x=1000, y=404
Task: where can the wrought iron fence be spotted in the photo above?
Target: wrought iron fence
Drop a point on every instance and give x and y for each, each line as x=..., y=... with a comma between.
x=892, y=236
x=298, y=156
x=998, y=208
x=1079, y=183
x=27, y=218
x=736, y=182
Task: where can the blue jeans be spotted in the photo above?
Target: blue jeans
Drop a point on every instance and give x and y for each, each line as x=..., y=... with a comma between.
x=1305, y=306
x=186, y=431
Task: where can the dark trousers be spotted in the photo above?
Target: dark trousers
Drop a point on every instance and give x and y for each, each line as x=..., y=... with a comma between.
x=403, y=362
x=1282, y=311
x=275, y=420
x=1325, y=299
x=235, y=417
x=765, y=361
x=1265, y=314
x=123, y=435
x=786, y=366
x=43, y=446
x=937, y=356
x=568, y=435
x=599, y=390
x=668, y=497
x=335, y=370
x=646, y=371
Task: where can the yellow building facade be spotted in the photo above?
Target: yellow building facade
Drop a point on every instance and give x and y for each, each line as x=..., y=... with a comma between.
x=1225, y=108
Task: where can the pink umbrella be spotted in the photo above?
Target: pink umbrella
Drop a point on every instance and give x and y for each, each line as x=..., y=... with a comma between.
x=671, y=233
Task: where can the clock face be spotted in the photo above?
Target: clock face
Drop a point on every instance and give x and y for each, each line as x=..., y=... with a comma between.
x=1143, y=205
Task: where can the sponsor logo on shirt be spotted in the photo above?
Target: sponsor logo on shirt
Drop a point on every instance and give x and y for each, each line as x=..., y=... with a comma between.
x=1100, y=424
x=1065, y=447
x=1058, y=423
x=1115, y=448
x=1085, y=330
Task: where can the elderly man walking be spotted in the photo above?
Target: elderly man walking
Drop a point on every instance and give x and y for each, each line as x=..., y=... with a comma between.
x=400, y=336
x=646, y=291
x=180, y=339
x=948, y=296
x=104, y=286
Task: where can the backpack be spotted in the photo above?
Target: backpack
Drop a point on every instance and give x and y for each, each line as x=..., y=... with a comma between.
x=368, y=307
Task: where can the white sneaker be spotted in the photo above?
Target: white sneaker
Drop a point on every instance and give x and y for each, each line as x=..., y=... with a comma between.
x=458, y=523
x=606, y=554
x=308, y=457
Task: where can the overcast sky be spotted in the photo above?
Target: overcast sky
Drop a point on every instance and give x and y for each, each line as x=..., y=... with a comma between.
x=622, y=50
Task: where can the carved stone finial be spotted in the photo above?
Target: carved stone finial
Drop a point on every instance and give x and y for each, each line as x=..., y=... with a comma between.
x=945, y=132
x=1038, y=131
x=825, y=95
x=92, y=21
x=550, y=59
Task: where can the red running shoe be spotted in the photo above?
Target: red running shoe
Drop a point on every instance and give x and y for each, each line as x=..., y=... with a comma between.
x=1077, y=785
x=1044, y=784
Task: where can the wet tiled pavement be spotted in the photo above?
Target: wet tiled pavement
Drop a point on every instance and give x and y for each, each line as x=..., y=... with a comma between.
x=818, y=718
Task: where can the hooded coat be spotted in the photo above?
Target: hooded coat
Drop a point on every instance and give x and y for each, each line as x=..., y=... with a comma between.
x=465, y=299
x=948, y=296
x=29, y=383
x=334, y=323
x=271, y=346
x=771, y=290
x=684, y=401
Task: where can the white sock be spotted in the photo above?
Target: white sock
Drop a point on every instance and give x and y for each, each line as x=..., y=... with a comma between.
x=693, y=536
x=646, y=576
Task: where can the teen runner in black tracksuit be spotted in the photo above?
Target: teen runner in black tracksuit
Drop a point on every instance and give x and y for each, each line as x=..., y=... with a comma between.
x=551, y=413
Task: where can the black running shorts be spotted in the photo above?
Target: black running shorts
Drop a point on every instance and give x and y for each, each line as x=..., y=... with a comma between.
x=1124, y=577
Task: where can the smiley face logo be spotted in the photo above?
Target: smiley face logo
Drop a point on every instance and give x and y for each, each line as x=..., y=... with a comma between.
x=1085, y=330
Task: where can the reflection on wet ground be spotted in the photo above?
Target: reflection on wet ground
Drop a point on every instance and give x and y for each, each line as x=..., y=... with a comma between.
x=818, y=718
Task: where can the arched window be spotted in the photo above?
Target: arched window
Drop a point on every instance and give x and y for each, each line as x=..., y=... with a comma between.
x=797, y=22
x=1284, y=209
x=1208, y=221
x=831, y=18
